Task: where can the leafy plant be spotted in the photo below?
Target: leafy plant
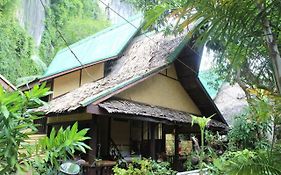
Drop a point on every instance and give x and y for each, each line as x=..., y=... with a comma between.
x=244, y=40
x=60, y=146
x=250, y=130
x=247, y=162
x=192, y=162
x=16, y=123
x=144, y=166
x=202, y=122
x=244, y=135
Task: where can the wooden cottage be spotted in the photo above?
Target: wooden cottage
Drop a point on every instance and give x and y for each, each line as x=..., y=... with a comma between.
x=133, y=92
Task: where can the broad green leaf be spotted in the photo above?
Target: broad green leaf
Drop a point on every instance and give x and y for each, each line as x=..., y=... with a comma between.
x=5, y=111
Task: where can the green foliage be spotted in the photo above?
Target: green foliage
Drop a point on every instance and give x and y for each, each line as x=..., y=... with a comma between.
x=7, y=6
x=75, y=19
x=250, y=132
x=237, y=36
x=202, y=122
x=244, y=134
x=247, y=162
x=57, y=148
x=16, y=123
x=192, y=161
x=250, y=129
x=145, y=166
x=62, y=144
x=16, y=48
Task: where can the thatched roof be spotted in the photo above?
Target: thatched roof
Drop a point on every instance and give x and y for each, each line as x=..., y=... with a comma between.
x=132, y=108
x=231, y=101
x=144, y=57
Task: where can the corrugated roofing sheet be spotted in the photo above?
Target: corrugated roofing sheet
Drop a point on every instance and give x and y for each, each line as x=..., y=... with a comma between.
x=105, y=44
x=209, y=81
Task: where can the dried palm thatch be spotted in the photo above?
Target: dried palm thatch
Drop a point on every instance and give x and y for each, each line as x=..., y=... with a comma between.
x=132, y=108
x=144, y=55
x=231, y=101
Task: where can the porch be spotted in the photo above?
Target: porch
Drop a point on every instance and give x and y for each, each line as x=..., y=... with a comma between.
x=123, y=130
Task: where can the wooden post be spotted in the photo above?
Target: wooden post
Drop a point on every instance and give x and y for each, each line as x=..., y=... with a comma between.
x=163, y=147
x=93, y=142
x=103, y=139
x=152, y=141
x=176, y=158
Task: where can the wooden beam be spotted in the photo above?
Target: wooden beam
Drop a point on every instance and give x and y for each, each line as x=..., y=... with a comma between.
x=152, y=141
x=95, y=109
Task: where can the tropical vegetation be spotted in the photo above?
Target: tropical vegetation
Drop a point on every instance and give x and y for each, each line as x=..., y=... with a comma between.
x=17, y=116
x=75, y=19
x=245, y=37
x=144, y=166
x=246, y=41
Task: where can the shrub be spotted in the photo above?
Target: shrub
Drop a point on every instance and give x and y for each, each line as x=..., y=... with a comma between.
x=57, y=148
x=243, y=162
x=144, y=166
x=16, y=123
x=248, y=133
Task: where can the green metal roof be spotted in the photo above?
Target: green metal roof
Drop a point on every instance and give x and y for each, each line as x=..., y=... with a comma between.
x=209, y=80
x=105, y=44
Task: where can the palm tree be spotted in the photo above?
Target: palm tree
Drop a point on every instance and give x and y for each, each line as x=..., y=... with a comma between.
x=239, y=29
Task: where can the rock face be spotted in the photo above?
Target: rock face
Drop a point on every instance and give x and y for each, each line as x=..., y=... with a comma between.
x=124, y=9
x=231, y=101
x=31, y=16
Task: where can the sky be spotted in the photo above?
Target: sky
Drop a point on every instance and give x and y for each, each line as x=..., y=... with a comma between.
x=207, y=59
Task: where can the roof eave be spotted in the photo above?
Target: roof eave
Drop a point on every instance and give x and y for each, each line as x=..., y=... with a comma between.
x=76, y=69
x=211, y=101
x=8, y=83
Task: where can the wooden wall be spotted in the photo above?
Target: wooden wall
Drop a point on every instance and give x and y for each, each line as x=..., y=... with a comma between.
x=74, y=80
x=163, y=90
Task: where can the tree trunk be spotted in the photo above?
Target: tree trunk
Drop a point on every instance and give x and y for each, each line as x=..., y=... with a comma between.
x=272, y=47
